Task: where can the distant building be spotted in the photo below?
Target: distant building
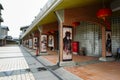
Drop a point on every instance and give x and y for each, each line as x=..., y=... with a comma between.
x=3, y=30
x=23, y=29
x=3, y=35
x=1, y=19
x=9, y=38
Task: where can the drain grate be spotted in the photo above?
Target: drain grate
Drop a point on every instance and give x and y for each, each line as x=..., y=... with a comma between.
x=41, y=69
x=27, y=70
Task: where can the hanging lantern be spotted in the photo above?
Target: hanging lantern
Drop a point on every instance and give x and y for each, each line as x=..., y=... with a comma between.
x=46, y=33
x=52, y=31
x=75, y=24
x=36, y=34
x=104, y=12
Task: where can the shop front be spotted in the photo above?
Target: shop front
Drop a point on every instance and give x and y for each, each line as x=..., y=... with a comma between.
x=90, y=35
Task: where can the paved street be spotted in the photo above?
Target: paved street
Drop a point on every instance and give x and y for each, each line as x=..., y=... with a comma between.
x=17, y=64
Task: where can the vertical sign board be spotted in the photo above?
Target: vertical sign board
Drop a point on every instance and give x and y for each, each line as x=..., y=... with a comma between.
x=67, y=41
x=51, y=42
x=43, y=45
x=30, y=43
x=27, y=43
x=35, y=41
x=108, y=43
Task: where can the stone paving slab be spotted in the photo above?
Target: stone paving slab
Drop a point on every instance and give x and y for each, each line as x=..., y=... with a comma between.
x=65, y=75
x=45, y=75
x=59, y=71
x=17, y=64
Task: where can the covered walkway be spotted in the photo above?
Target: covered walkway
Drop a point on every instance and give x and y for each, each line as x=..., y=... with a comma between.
x=89, y=68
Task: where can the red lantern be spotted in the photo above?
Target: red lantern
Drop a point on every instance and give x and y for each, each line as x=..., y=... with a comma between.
x=75, y=24
x=52, y=31
x=104, y=12
x=36, y=34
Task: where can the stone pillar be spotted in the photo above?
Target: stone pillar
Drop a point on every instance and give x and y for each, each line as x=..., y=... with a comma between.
x=60, y=17
x=27, y=41
x=104, y=58
x=103, y=42
x=60, y=41
x=40, y=31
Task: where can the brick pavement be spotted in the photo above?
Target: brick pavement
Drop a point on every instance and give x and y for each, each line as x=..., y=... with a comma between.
x=89, y=68
x=12, y=64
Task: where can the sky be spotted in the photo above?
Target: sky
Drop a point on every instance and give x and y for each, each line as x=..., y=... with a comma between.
x=19, y=13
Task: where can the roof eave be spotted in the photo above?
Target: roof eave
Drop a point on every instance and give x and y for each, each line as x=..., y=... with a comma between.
x=40, y=17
